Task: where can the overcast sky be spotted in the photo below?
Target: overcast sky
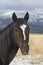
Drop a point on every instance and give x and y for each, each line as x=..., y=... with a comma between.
x=21, y=4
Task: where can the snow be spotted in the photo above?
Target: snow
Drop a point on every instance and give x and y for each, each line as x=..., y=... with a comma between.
x=27, y=60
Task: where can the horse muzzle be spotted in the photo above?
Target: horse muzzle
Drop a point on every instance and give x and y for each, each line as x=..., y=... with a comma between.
x=25, y=49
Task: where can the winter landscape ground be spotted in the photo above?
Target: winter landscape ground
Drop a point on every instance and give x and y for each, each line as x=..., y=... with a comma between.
x=35, y=55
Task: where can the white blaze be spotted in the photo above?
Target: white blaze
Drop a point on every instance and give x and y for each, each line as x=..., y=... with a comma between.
x=23, y=29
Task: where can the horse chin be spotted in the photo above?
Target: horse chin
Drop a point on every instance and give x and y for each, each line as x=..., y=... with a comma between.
x=24, y=53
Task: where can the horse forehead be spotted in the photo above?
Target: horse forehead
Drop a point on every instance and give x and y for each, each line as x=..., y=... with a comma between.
x=23, y=26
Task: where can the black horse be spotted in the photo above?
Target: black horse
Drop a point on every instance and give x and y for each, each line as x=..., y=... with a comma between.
x=13, y=37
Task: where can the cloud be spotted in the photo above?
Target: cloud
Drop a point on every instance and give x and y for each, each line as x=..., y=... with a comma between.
x=32, y=2
x=21, y=4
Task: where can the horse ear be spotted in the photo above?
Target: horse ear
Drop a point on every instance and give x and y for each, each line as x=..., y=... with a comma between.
x=26, y=16
x=14, y=17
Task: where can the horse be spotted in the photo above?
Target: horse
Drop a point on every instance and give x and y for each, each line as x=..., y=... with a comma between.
x=13, y=37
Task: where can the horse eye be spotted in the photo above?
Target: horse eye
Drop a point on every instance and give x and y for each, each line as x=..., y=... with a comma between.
x=18, y=29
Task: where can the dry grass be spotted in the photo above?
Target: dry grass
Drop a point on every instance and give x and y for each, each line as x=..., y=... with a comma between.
x=35, y=44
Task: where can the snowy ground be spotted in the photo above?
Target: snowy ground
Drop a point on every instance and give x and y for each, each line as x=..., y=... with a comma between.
x=28, y=60
x=35, y=56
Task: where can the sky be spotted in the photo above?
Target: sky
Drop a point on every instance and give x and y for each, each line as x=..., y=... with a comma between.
x=21, y=4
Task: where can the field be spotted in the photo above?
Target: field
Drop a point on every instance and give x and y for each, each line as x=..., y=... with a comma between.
x=35, y=56
x=36, y=44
